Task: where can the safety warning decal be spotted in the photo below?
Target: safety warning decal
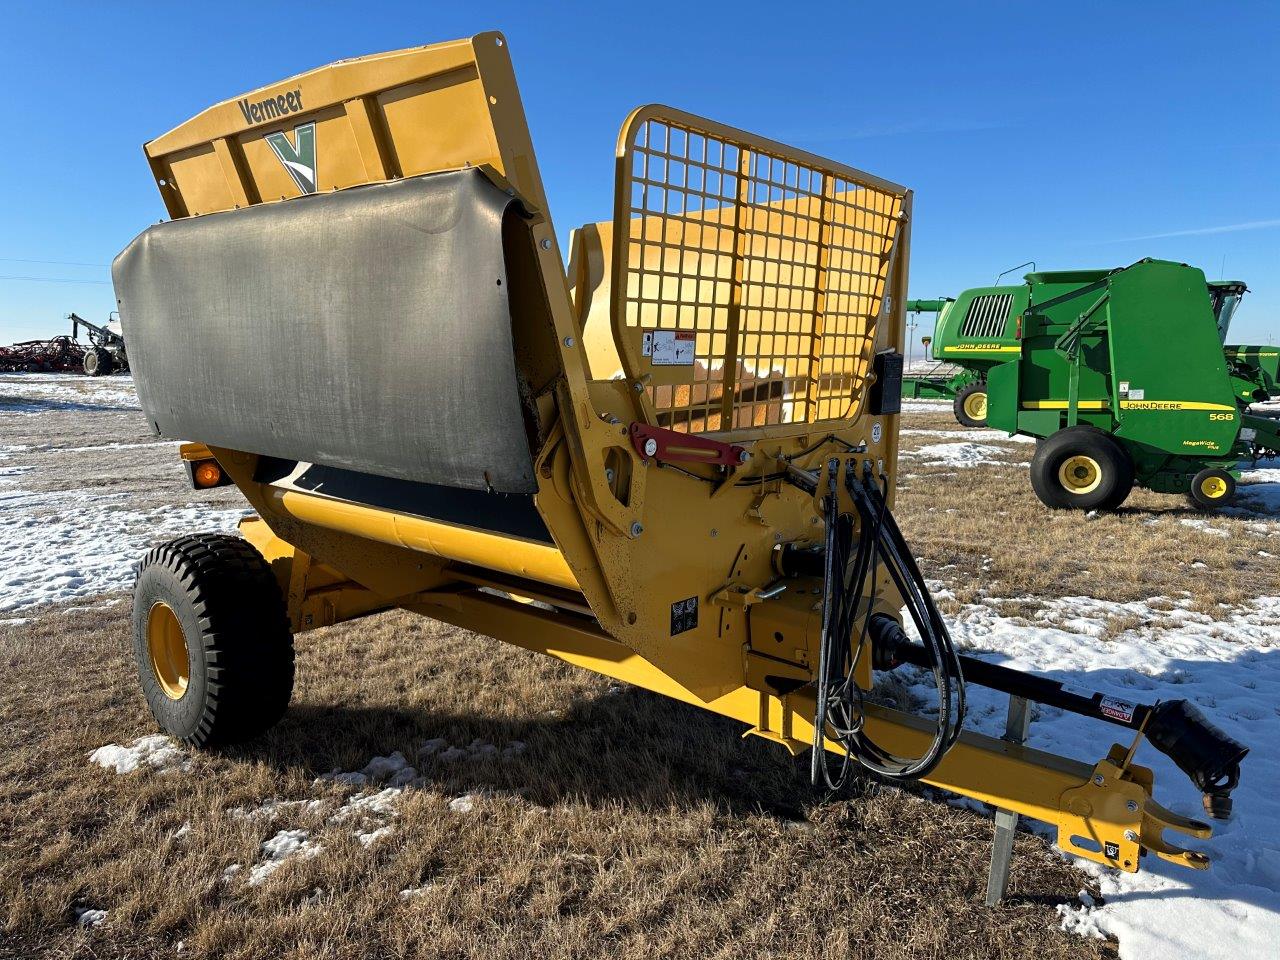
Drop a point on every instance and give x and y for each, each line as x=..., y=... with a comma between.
x=1111, y=850
x=684, y=615
x=669, y=348
x=1120, y=710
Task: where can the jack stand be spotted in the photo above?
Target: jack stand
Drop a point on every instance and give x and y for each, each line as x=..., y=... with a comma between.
x=1015, y=731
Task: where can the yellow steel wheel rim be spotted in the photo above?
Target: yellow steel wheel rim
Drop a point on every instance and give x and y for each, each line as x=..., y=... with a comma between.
x=975, y=405
x=1080, y=474
x=1214, y=488
x=167, y=647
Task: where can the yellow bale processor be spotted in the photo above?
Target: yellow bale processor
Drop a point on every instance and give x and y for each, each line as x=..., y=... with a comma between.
x=684, y=448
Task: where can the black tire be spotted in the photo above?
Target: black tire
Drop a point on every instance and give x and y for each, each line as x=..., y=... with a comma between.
x=234, y=635
x=1212, y=488
x=964, y=406
x=1082, y=468
x=98, y=362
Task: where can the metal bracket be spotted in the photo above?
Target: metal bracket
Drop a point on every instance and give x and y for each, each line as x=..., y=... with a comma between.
x=670, y=446
x=1015, y=731
x=779, y=733
x=738, y=595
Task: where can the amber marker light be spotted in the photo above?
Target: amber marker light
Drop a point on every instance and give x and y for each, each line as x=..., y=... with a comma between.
x=208, y=474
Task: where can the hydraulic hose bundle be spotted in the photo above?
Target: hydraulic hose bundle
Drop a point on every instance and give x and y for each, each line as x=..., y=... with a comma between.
x=1207, y=755
x=849, y=576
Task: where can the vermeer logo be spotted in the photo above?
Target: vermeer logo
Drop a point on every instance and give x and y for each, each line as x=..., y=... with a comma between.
x=299, y=157
x=272, y=108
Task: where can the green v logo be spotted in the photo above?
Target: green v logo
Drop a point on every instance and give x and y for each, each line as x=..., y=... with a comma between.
x=298, y=158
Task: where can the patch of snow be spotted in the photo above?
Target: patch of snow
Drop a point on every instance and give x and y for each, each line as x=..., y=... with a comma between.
x=37, y=393
x=157, y=752
x=382, y=768
x=94, y=448
x=432, y=746
x=408, y=893
x=1230, y=669
x=926, y=405
x=404, y=777
x=382, y=803
x=285, y=845
x=1259, y=490
x=90, y=918
x=373, y=836
x=964, y=454
x=984, y=436
x=59, y=545
x=274, y=808
x=1081, y=921
x=463, y=804
x=1200, y=523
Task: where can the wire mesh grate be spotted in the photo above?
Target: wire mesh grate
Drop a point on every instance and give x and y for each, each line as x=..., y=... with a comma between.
x=773, y=268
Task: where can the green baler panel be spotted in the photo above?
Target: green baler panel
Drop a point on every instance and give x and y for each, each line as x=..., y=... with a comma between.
x=1002, y=396
x=1171, y=381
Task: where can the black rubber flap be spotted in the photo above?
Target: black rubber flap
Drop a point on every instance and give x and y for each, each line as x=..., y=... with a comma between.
x=366, y=329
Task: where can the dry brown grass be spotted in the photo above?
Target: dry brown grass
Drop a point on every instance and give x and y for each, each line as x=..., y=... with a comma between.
x=982, y=529
x=632, y=826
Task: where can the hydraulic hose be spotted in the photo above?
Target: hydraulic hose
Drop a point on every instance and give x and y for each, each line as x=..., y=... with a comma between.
x=1207, y=755
x=848, y=577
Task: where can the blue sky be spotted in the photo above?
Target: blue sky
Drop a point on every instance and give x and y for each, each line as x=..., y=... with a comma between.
x=1073, y=135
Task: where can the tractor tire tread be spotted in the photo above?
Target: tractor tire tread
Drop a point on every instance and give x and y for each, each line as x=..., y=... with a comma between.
x=1116, y=463
x=243, y=631
x=963, y=394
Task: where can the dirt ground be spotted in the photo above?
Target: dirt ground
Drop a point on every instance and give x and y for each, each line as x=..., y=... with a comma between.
x=625, y=825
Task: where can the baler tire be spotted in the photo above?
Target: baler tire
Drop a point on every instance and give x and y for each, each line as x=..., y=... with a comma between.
x=962, y=402
x=1212, y=488
x=211, y=600
x=1082, y=468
